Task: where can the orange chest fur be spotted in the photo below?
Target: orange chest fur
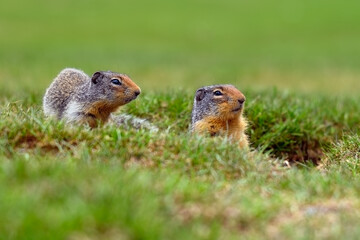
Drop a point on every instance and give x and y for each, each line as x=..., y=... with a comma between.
x=101, y=110
x=215, y=126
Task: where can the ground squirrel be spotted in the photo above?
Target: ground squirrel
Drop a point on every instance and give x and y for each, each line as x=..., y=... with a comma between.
x=76, y=97
x=218, y=110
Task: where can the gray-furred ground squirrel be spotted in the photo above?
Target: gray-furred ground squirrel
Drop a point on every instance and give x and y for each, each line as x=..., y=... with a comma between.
x=76, y=97
x=218, y=110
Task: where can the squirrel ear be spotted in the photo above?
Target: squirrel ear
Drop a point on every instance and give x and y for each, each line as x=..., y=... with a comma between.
x=95, y=77
x=200, y=94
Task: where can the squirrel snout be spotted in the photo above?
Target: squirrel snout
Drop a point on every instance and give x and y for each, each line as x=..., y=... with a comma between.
x=241, y=105
x=137, y=93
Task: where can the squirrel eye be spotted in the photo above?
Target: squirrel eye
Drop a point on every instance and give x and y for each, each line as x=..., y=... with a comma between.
x=218, y=93
x=115, y=81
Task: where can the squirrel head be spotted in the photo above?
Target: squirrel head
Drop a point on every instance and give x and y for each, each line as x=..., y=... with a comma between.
x=114, y=87
x=223, y=101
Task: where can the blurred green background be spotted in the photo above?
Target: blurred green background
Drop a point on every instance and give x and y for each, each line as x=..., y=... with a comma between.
x=309, y=46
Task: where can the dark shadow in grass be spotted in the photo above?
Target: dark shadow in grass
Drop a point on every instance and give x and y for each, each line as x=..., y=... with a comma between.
x=299, y=127
x=29, y=142
x=307, y=151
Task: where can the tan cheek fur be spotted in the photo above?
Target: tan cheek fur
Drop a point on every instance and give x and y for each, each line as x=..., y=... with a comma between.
x=122, y=96
x=225, y=109
x=126, y=95
x=131, y=85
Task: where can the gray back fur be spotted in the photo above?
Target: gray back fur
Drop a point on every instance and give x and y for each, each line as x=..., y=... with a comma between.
x=61, y=91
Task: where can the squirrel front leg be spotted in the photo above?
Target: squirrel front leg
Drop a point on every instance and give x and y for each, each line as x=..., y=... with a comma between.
x=90, y=120
x=243, y=141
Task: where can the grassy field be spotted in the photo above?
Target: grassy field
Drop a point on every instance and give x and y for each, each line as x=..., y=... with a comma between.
x=296, y=62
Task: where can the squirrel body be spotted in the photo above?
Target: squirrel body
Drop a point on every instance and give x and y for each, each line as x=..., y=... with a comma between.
x=218, y=110
x=76, y=97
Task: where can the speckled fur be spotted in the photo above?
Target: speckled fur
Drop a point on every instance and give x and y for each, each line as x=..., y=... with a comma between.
x=76, y=97
x=220, y=115
x=128, y=121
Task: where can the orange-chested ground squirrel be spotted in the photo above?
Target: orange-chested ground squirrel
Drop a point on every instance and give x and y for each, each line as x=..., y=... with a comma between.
x=76, y=97
x=218, y=110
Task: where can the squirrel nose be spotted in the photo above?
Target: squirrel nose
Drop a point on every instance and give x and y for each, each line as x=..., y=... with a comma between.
x=137, y=93
x=241, y=101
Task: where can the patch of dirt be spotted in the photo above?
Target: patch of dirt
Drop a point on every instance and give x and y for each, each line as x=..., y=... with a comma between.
x=27, y=141
x=95, y=234
x=50, y=148
x=320, y=216
x=230, y=217
x=30, y=142
x=144, y=162
x=306, y=152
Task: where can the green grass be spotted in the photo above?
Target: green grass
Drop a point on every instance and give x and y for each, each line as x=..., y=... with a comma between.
x=312, y=45
x=296, y=62
x=72, y=182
